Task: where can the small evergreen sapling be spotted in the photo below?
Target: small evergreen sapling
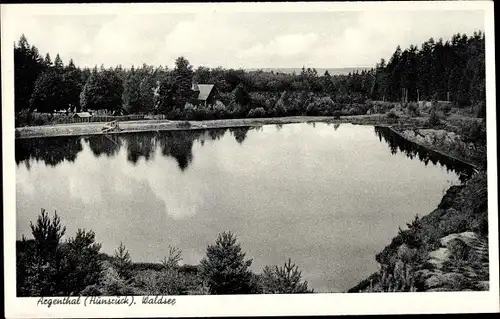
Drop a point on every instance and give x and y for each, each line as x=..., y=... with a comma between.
x=286, y=279
x=225, y=269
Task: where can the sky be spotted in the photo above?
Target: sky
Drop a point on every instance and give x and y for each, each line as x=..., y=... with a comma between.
x=322, y=39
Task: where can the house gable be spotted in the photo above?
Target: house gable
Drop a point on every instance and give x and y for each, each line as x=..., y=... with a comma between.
x=205, y=91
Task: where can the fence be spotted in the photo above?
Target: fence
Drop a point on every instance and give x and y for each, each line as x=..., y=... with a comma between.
x=97, y=118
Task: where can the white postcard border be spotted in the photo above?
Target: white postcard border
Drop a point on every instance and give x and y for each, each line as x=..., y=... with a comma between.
x=255, y=305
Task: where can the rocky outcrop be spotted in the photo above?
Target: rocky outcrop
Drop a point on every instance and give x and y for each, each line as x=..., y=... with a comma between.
x=460, y=264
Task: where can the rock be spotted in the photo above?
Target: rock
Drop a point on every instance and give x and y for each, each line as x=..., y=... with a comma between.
x=438, y=257
x=466, y=237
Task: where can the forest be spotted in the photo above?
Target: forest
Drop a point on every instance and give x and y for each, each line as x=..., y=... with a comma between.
x=451, y=71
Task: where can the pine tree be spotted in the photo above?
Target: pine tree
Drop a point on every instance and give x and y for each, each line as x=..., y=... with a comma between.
x=224, y=268
x=286, y=279
x=58, y=63
x=122, y=262
x=45, y=260
x=182, y=82
x=47, y=61
x=82, y=262
x=28, y=64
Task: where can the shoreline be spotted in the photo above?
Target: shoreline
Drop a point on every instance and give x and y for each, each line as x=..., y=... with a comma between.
x=94, y=128
x=82, y=129
x=476, y=168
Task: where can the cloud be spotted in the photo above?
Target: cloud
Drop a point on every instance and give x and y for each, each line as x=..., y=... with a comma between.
x=205, y=39
x=239, y=39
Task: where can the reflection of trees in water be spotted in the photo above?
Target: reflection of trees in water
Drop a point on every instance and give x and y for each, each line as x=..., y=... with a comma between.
x=217, y=133
x=177, y=144
x=335, y=125
x=104, y=144
x=139, y=145
x=412, y=150
x=239, y=133
x=50, y=150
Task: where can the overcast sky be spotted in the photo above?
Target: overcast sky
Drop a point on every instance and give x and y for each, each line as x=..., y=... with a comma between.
x=235, y=39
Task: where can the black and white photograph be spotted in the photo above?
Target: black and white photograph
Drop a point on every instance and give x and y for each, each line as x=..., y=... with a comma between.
x=317, y=158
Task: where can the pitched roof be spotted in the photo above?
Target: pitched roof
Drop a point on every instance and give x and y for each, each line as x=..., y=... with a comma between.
x=83, y=114
x=205, y=90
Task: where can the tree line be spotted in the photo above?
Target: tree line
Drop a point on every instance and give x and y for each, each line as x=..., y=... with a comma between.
x=452, y=70
x=49, y=265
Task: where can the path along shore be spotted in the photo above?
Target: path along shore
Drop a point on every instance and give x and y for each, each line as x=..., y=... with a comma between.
x=94, y=128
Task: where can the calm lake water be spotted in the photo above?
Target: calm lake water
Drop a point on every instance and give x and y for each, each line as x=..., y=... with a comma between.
x=330, y=197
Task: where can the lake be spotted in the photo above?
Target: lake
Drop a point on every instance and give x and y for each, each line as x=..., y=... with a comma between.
x=328, y=196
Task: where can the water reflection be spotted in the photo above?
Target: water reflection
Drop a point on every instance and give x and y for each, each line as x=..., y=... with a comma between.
x=104, y=144
x=176, y=144
x=397, y=143
x=179, y=145
x=239, y=133
x=51, y=151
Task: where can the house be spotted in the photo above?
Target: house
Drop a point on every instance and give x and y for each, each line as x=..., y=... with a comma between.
x=204, y=94
x=82, y=115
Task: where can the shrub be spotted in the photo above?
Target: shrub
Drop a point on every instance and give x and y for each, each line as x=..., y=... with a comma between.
x=412, y=237
x=286, y=279
x=224, y=268
x=189, y=110
x=413, y=109
x=173, y=259
x=434, y=119
x=258, y=112
x=322, y=106
x=113, y=284
x=474, y=132
x=480, y=109
x=92, y=290
x=165, y=282
x=82, y=262
x=184, y=124
x=392, y=115
x=459, y=250
x=445, y=108
x=219, y=110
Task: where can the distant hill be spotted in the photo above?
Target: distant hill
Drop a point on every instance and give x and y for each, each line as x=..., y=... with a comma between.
x=321, y=71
